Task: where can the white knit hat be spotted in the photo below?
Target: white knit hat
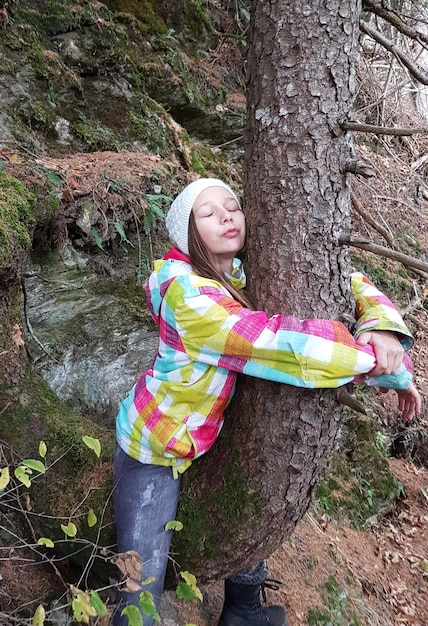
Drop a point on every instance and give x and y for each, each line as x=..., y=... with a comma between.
x=177, y=219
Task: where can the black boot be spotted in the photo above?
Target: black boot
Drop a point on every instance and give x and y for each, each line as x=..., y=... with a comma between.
x=242, y=606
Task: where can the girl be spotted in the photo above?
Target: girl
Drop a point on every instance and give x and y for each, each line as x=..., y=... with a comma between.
x=208, y=333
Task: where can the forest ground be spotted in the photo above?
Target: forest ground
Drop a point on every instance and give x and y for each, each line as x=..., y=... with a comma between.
x=335, y=575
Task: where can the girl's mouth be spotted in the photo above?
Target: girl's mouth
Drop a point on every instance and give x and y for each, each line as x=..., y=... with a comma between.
x=233, y=232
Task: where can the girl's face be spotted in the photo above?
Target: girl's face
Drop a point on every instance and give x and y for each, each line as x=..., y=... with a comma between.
x=220, y=224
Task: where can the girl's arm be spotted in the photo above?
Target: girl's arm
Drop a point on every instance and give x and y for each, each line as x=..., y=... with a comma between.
x=217, y=330
x=376, y=312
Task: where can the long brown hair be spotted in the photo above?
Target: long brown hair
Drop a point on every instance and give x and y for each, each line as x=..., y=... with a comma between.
x=205, y=264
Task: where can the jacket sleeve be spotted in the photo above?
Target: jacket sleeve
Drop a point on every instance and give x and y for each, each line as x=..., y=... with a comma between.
x=374, y=311
x=314, y=353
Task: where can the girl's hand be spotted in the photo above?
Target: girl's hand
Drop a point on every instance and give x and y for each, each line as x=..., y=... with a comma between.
x=388, y=350
x=409, y=402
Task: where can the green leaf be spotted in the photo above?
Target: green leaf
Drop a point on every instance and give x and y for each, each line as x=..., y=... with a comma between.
x=119, y=229
x=39, y=616
x=174, y=525
x=188, y=590
x=42, y=449
x=35, y=465
x=98, y=604
x=4, y=478
x=147, y=605
x=44, y=541
x=93, y=444
x=185, y=592
x=133, y=614
x=92, y=518
x=97, y=238
x=70, y=530
x=22, y=473
x=54, y=178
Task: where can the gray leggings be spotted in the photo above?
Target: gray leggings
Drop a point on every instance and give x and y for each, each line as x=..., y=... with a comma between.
x=145, y=498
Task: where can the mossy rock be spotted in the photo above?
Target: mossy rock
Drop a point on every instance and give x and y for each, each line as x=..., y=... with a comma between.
x=16, y=225
x=77, y=484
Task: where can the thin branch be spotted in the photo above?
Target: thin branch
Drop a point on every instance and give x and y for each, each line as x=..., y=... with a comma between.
x=369, y=219
x=389, y=45
x=405, y=259
x=381, y=130
x=395, y=20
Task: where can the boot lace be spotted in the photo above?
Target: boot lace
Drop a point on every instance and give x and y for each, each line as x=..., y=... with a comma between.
x=269, y=583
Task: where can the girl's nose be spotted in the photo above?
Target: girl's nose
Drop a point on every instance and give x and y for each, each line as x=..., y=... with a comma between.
x=226, y=216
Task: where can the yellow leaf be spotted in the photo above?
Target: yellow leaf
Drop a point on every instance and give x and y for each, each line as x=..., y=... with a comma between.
x=35, y=465
x=81, y=605
x=92, y=518
x=39, y=616
x=93, y=444
x=4, y=478
x=44, y=541
x=42, y=449
x=70, y=530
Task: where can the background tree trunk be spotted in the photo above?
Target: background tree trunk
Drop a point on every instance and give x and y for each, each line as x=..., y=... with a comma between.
x=258, y=480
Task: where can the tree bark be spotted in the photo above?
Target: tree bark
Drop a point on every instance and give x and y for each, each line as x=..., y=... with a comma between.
x=277, y=439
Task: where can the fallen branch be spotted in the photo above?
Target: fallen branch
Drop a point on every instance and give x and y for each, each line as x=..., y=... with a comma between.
x=382, y=130
x=369, y=219
x=405, y=259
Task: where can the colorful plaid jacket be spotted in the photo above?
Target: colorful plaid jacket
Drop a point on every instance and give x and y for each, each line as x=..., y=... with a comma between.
x=175, y=411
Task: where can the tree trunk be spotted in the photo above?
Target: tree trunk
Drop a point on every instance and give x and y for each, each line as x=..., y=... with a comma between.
x=257, y=482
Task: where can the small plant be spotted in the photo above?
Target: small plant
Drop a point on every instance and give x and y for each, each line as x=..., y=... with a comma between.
x=336, y=611
x=85, y=605
x=153, y=214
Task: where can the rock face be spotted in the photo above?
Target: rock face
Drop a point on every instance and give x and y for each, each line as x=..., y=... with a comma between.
x=84, y=339
x=79, y=77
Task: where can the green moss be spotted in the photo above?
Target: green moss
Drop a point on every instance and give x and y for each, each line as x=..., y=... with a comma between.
x=197, y=14
x=53, y=17
x=76, y=479
x=408, y=241
x=393, y=282
x=16, y=217
x=95, y=135
x=149, y=128
x=359, y=484
x=237, y=502
x=336, y=611
x=142, y=10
